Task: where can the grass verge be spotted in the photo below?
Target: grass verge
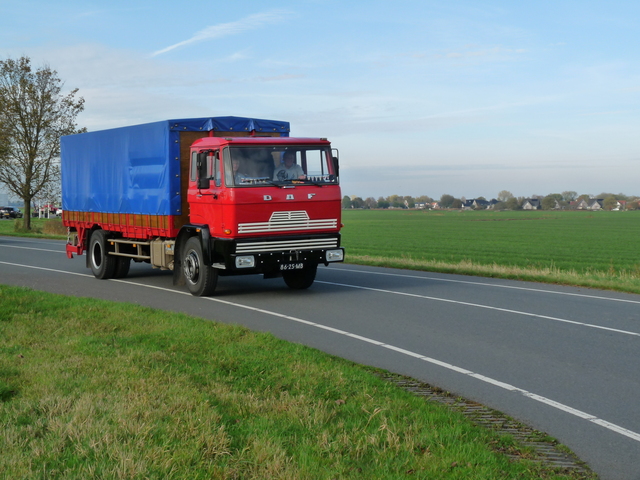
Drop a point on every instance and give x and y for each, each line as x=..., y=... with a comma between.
x=40, y=228
x=93, y=389
x=618, y=281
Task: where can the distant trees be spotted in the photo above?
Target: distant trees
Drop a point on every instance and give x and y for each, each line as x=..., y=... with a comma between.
x=383, y=203
x=513, y=204
x=610, y=203
x=357, y=202
x=551, y=201
x=446, y=201
x=370, y=202
x=424, y=199
x=505, y=201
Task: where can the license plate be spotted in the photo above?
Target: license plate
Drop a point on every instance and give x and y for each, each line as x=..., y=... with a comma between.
x=291, y=266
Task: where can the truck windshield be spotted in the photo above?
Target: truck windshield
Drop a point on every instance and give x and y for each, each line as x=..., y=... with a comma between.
x=279, y=165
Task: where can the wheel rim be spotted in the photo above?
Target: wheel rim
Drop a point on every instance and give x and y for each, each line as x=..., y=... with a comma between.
x=192, y=267
x=96, y=255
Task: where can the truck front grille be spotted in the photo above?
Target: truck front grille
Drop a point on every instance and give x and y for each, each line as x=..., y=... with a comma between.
x=288, y=221
x=286, y=245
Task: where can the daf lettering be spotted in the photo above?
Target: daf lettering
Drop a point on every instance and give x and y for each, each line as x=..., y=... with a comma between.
x=290, y=197
x=311, y=195
x=267, y=198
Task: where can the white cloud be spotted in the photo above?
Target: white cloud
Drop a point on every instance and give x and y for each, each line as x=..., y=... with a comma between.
x=251, y=22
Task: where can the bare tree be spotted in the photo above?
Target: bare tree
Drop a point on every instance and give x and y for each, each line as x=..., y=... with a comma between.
x=504, y=195
x=370, y=202
x=33, y=116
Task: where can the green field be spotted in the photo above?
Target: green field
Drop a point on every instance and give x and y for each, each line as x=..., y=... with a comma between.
x=597, y=249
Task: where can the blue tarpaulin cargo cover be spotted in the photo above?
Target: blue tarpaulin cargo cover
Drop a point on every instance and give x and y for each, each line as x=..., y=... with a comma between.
x=136, y=169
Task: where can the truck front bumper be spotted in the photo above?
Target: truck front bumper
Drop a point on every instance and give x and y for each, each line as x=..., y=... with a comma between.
x=273, y=255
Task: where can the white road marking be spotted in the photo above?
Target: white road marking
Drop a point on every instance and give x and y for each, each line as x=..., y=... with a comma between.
x=33, y=248
x=492, y=285
x=539, y=398
x=47, y=269
x=488, y=307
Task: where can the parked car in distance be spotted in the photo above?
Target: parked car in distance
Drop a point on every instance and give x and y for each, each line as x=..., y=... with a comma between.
x=10, y=212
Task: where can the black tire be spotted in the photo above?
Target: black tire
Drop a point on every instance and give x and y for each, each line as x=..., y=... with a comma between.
x=122, y=267
x=201, y=279
x=102, y=265
x=300, y=279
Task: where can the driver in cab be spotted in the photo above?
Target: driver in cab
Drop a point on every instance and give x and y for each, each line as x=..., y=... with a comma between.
x=289, y=169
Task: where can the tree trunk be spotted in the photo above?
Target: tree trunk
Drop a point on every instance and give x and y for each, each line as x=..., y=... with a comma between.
x=26, y=219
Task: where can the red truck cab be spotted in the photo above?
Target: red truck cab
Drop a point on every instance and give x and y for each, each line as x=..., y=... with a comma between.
x=261, y=216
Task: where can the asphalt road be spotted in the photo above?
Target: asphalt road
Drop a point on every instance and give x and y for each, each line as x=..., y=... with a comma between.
x=563, y=360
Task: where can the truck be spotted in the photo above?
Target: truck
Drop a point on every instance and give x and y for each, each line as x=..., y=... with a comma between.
x=203, y=198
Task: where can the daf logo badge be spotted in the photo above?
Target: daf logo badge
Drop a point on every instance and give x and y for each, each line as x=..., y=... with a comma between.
x=290, y=196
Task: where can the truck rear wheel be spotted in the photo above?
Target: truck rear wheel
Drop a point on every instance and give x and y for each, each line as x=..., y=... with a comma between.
x=122, y=267
x=102, y=264
x=300, y=279
x=201, y=279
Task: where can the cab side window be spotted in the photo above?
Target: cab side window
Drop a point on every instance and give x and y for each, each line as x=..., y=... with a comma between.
x=194, y=166
x=217, y=175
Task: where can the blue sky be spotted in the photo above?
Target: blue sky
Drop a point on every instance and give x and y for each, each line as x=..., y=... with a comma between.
x=424, y=97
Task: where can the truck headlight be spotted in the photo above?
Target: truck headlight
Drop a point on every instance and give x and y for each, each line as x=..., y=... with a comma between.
x=247, y=261
x=334, y=255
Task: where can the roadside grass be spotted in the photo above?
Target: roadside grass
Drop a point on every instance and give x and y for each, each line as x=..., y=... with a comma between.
x=589, y=249
x=94, y=389
x=40, y=228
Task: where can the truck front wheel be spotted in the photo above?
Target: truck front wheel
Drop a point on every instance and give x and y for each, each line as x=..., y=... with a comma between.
x=300, y=279
x=201, y=279
x=102, y=264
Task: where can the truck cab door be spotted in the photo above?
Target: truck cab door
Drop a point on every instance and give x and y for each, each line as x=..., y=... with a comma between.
x=205, y=187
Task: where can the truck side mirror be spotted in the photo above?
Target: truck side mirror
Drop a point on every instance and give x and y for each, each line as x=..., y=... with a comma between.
x=336, y=166
x=201, y=165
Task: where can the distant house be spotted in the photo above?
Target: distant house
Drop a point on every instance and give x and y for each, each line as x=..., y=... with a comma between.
x=621, y=205
x=480, y=203
x=531, y=204
x=596, y=204
x=582, y=205
x=467, y=205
